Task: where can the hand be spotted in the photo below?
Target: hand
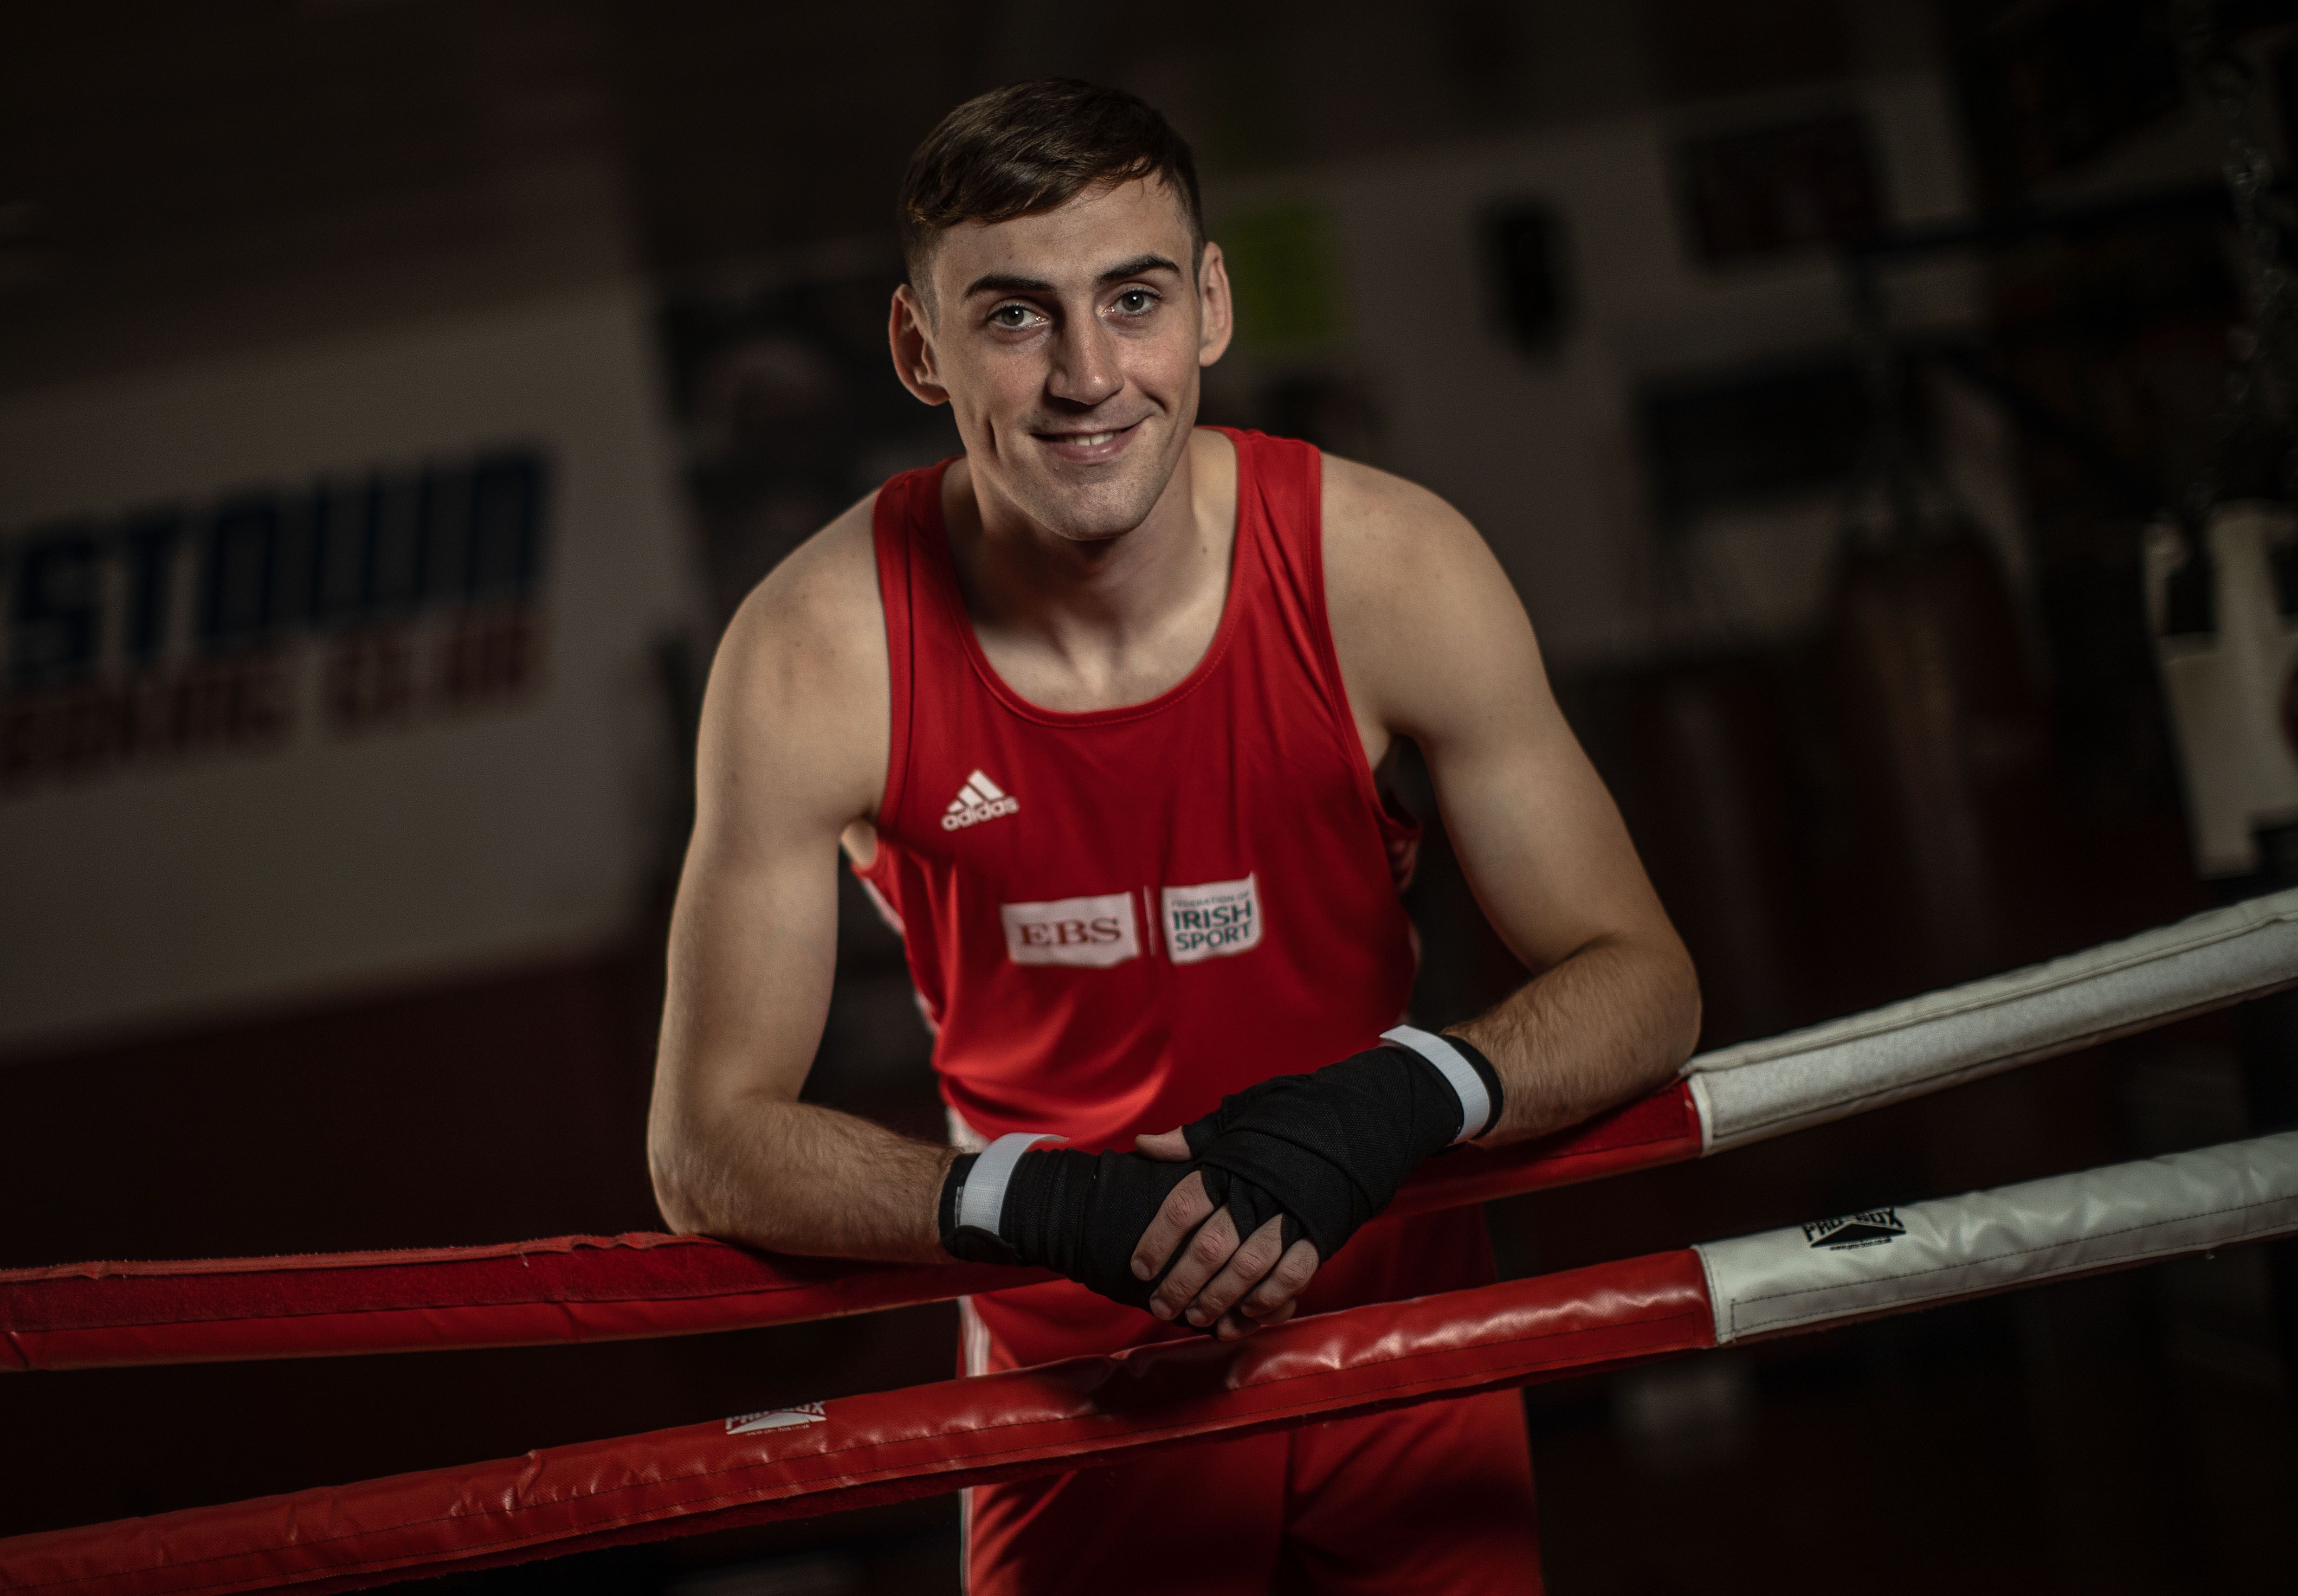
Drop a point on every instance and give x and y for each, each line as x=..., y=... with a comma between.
x=1299, y=1162
x=1234, y=1289
x=1080, y=1214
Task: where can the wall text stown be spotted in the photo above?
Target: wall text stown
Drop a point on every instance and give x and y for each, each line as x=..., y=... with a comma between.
x=372, y=599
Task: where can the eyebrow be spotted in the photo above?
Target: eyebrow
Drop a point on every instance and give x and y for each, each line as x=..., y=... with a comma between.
x=1006, y=283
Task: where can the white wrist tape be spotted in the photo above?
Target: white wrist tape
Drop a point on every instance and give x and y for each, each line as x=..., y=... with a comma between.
x=981, y=1200
x=1467, y=1085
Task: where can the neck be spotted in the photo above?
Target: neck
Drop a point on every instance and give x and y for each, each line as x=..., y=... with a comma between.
x=1092, y=603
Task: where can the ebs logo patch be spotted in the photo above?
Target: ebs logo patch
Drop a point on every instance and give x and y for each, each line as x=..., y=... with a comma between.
x=1093, y=932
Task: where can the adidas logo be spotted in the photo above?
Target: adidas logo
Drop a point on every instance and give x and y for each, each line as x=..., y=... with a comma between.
x=977, y=800
x=1868, y=1230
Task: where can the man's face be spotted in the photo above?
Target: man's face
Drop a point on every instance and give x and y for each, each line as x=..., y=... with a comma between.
x=1068, y=346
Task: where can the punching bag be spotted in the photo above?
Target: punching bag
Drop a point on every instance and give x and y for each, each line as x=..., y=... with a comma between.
x=1943, y=745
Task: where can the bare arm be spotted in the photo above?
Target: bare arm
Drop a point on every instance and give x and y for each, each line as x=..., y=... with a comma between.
x=793, y=751
x=1434, y=646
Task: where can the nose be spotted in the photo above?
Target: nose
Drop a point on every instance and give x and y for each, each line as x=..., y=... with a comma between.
x=1085, y=364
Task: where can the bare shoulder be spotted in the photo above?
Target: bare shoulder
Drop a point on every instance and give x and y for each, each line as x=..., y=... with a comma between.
x=818, y=606
x=799, y=684
x=1379, y=528
x=1421, y=611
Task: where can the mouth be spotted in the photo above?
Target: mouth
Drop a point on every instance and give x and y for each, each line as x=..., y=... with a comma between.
x=1089, y=448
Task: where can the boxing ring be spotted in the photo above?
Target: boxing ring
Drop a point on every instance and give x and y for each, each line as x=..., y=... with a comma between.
x=857, y=1451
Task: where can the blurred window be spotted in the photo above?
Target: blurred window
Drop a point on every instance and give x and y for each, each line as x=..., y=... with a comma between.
x=1758, y=193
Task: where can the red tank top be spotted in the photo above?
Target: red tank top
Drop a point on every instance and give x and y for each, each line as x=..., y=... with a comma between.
x=1115, y=917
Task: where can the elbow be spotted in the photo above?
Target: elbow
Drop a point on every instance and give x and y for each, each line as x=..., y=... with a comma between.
x=680, y=1216
x=1683, y=1010
x=667, y=1167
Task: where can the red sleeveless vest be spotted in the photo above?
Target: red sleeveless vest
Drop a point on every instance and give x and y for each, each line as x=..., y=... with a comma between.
x=1115, y=917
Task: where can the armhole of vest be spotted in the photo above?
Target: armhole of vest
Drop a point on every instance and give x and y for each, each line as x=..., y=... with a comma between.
x=890, y=540
x=1333, y=685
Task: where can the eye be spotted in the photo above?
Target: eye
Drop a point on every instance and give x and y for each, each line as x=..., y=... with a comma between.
x=1136, y=301
x=1014, y=317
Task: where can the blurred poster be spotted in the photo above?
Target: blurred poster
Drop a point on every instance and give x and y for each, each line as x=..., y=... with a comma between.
x=364, y=601
x=333, y=664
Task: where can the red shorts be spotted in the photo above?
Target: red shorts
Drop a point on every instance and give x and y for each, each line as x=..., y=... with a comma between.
x=1435, y=1498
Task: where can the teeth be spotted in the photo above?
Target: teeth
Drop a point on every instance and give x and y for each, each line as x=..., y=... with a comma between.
x=1090, y=439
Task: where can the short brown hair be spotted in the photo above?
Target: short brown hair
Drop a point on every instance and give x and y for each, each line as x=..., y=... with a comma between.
x=1032, y=147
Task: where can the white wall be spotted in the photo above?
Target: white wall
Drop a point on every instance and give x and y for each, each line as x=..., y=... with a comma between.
x=143, y=896
x=1542, y=454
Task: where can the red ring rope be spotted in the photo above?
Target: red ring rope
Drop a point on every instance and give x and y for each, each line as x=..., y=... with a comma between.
x=601, y=1288
x=890, y=1444
x=878, y=1447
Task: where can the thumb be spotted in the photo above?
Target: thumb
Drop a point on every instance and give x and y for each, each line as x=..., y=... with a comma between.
x=1169, y=1145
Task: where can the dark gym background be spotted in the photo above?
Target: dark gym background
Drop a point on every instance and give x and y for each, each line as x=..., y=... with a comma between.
x=1667, y=294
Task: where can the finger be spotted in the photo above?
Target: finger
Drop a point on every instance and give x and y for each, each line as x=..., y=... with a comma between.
x=1281, y=1284
x=1185, y=1208
x=1235, y=1327
x=1261, y=1252
x=1171, y=1146
x=1199, y=1259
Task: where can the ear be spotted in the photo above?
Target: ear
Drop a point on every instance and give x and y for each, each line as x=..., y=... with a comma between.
x=1215, y=308
x=910, y=337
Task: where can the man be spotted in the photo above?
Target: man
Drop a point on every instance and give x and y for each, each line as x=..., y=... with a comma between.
x=1096, y=709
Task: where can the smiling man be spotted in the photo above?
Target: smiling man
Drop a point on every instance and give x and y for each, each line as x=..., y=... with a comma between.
x=1099, y=711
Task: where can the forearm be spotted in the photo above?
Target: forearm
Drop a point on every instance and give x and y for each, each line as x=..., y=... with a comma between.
x=798, y=1178
x=1612, y=1021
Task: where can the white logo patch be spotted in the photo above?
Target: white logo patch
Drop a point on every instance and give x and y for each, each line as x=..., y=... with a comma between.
x=977, y=800
x=1096, y=932
x=1213, y=921
x=777, y=1418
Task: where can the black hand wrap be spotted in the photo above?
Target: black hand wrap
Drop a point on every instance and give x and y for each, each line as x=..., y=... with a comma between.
x=1325, y=1152
x=1080, y=1214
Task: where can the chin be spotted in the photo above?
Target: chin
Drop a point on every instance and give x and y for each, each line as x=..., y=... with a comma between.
x=1092, y=512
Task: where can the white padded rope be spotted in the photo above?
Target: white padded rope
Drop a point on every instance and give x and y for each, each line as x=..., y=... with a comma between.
x=981, y=1200
x=1759, y=1089
x=1467, y=1085
x=1904, y=1257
